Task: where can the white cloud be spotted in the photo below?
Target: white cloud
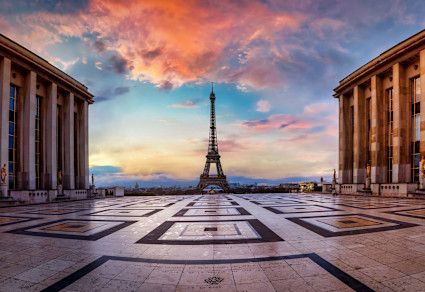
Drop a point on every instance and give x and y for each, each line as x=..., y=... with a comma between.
x=263, y=106
x=242, y=87
x=64, y=64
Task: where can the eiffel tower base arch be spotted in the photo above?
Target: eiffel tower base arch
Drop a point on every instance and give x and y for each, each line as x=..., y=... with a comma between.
x=205, y=181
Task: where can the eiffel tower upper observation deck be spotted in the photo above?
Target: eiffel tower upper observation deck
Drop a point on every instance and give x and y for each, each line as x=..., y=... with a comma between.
x=206, y=178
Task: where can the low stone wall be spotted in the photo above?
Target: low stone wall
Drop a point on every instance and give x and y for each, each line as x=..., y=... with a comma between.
x=76, y=194
x=351, y=188
x=30, y=197
x=401, y=190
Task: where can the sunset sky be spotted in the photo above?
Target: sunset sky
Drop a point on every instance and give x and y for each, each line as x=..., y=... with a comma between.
x=149, y=64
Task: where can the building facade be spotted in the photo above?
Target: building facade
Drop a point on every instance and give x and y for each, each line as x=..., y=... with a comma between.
x=43, y=128
x=382, y=122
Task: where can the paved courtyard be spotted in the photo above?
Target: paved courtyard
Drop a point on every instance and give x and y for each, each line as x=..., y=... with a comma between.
x=256, y=242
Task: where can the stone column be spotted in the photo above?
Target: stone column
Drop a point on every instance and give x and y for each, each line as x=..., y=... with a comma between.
x=378, y=126
x=422, y=81
x=401, y=123
x=50, y=138
x=5, y=66
x=28, y=139
x=360, y=136
x=68, y=172
x=344, y=175
x=83, y=146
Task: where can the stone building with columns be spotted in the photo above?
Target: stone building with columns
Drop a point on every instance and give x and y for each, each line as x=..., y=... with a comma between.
x=43, y=128
x=382, y=122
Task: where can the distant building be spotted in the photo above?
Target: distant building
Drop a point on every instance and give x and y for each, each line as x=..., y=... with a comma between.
x=307, y=186
x=382, y=122
x=43, y=127
x=136, y=187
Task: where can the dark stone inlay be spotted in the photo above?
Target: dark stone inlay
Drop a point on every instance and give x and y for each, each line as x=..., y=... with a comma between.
x=347, y=221
x=75, y=226
x=120, y=211
x=370, y=208
x=266, y=234
x=147, y=205
x=407, y=215
x=326, y=233
x=92, y=237
x=210, y=229
x=277, y=211
x=277, y=202
x=342, y=276
x=213, y=280
x=43, y=212
x=218, y=204
x=182, y=212
x=24, y=219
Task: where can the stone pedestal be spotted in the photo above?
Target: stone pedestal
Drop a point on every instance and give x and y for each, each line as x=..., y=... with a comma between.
x=3, y=191
x=60, y=190
x=93, y=191
x=367, y=184
x=334, y=193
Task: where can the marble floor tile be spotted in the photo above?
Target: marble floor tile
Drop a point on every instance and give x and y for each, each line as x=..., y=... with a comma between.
x=255, y=242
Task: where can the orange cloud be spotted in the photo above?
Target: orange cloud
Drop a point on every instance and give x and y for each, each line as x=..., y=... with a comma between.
x=173, y=42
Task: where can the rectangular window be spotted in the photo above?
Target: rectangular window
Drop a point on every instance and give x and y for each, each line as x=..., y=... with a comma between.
x=416, y=128
x=13, y=131
x=38, y=134
x=390, y=135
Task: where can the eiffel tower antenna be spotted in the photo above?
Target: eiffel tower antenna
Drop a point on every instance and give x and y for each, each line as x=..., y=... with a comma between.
x=206, y=179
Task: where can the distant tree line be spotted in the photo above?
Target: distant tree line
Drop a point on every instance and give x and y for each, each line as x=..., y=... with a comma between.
x=158, y=191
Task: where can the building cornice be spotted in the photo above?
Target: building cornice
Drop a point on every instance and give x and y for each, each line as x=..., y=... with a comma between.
x=61, y=78
x=381, y=63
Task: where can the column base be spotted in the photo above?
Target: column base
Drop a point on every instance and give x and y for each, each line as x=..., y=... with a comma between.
x=421, y=183
x=4, y=191
x=367, y=187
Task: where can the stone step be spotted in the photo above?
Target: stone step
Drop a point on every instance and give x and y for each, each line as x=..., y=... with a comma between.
x=8, y=201
x=419, y=194
x=62, y=198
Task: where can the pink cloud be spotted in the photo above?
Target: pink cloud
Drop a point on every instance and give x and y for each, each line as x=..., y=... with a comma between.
x=178, y=42
x=186, y=104
x=280, y=121
x=316, y=115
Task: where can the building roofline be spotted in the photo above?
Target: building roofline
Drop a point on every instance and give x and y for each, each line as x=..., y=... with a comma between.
x=383, y=59
x=16, y=49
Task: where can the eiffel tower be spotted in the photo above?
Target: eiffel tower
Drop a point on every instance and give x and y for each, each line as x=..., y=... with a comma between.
x=206, y=178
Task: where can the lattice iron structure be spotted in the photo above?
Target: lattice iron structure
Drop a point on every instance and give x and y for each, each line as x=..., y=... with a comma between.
x=207, y=179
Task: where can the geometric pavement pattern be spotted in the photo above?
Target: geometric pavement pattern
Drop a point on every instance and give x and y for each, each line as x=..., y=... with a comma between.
x=253, y=242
